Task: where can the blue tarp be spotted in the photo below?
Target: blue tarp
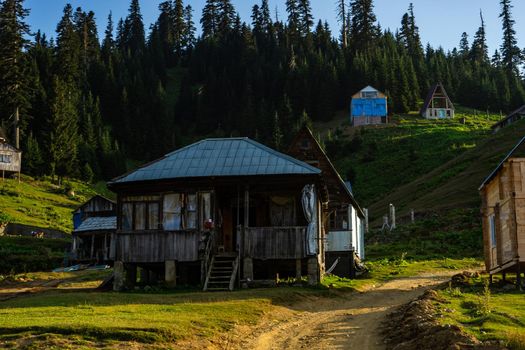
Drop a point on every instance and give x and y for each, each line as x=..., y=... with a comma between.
x=369, y=107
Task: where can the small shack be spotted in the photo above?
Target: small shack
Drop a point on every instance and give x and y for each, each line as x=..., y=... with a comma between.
x=369, y=107
x=437, y=105
x=94, y=227
x=345, y=225
x=503, y=215
x=10, y=159
x=513, y=117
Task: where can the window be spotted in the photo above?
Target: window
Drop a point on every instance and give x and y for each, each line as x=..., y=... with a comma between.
x=339, y=220
x=492, y=224
x=140, y=213
x=6, y=158
x=180, y=211
x=369, y=94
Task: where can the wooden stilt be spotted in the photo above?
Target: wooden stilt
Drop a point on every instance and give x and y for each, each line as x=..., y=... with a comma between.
x=92, y=247
x=518, y=276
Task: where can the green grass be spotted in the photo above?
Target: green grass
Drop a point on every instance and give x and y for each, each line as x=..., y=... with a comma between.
x=160, y=318
x=385, y=158
x=500, y=317
x=43, y=204
x=24, y=254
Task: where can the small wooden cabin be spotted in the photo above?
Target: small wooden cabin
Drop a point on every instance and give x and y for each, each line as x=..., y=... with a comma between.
x=220, y=212
x=437, y=105
x=344, y=226
x=503, y=214
x=94, y=227
x=10, y=158
x=513, y=117
x=369, y=107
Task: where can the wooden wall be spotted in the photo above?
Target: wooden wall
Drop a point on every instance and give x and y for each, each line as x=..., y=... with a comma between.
x=275, y=242
x=151, y=247
x=16, y=158
x=504, y=197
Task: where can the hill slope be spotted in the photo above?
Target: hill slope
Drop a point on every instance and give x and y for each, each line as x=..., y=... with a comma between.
x=40, y=203
x=455, y=183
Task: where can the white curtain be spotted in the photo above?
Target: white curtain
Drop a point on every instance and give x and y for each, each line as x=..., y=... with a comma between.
x=310, y=213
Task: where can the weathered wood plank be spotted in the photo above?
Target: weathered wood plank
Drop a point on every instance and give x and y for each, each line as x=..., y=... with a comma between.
x=275, y=242
x=154, y=247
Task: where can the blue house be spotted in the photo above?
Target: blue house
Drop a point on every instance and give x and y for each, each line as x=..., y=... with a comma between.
x=369, y=107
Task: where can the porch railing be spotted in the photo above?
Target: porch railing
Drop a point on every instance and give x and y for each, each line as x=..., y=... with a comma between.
x=275, y=242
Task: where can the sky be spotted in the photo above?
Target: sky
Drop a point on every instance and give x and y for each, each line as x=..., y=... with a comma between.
x=441, y=22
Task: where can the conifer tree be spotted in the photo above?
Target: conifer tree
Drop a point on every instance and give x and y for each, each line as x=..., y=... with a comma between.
x=13, y=81
x=464, y=46
x=363, y=30
x=342, y=18
x=509, y=50
x=210, y=19
x=305, y=16
x=479, y=52
x=134, y=34
x=188, y=37
x=62, y=130
x=67, y=49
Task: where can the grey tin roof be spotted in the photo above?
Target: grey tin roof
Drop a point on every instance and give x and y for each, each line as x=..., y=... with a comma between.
x=98, y=224
x=220, y=157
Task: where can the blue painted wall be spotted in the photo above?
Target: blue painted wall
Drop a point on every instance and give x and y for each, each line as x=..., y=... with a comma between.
x=369, y=107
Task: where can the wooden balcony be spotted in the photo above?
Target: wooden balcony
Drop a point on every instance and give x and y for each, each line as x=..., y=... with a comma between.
x=275, y=242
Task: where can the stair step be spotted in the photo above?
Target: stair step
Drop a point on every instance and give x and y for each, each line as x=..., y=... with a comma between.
x=220, y=278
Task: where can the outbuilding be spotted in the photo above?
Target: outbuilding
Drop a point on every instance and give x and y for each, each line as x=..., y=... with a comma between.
x=438, y=104
x=369, y=107
x=513, y=117
x=10, y=159
x=503, y=215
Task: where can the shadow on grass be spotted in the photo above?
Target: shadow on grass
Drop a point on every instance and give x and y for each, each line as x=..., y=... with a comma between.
x=143, y=335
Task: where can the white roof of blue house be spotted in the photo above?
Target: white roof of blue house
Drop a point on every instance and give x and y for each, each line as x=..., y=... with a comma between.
x=219, y=157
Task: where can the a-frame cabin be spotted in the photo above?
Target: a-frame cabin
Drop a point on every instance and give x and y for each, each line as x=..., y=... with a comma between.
x=437, y=105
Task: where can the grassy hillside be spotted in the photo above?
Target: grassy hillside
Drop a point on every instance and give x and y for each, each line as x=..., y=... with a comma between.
x=378, y=160
x=43, y=204
x=454, y=183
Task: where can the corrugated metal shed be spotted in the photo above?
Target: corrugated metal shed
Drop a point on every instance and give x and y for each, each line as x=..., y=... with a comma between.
x=220, y=157
x=98, y=224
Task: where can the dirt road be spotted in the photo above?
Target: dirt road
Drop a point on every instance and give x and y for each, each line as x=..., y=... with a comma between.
x=351, y=321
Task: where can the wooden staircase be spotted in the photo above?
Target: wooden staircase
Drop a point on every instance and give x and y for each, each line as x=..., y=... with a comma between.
x=222, y=272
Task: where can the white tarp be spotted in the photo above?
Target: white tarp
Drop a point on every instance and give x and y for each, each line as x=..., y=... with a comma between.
x=310, y=213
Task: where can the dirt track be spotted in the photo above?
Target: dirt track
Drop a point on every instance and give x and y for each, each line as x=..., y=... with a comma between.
x=348, y=322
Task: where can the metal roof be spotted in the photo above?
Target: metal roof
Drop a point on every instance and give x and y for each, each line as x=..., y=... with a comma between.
x=500, y=165
x=98, y=223
x=517, y=113
x=220, y=157
x=369, y=89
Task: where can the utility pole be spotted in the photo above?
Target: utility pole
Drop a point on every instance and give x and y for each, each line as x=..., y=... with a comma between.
x=17, y=129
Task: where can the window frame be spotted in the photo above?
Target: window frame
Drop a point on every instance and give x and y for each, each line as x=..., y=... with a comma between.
x=146, y=200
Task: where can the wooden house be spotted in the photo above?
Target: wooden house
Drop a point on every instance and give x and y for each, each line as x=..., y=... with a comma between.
x=344, y=224
x=220, y=212
x=94, y=227
x=516, y=115
x=10, y=159
x=503, y=214
x=369, y=107
x=437, y=105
